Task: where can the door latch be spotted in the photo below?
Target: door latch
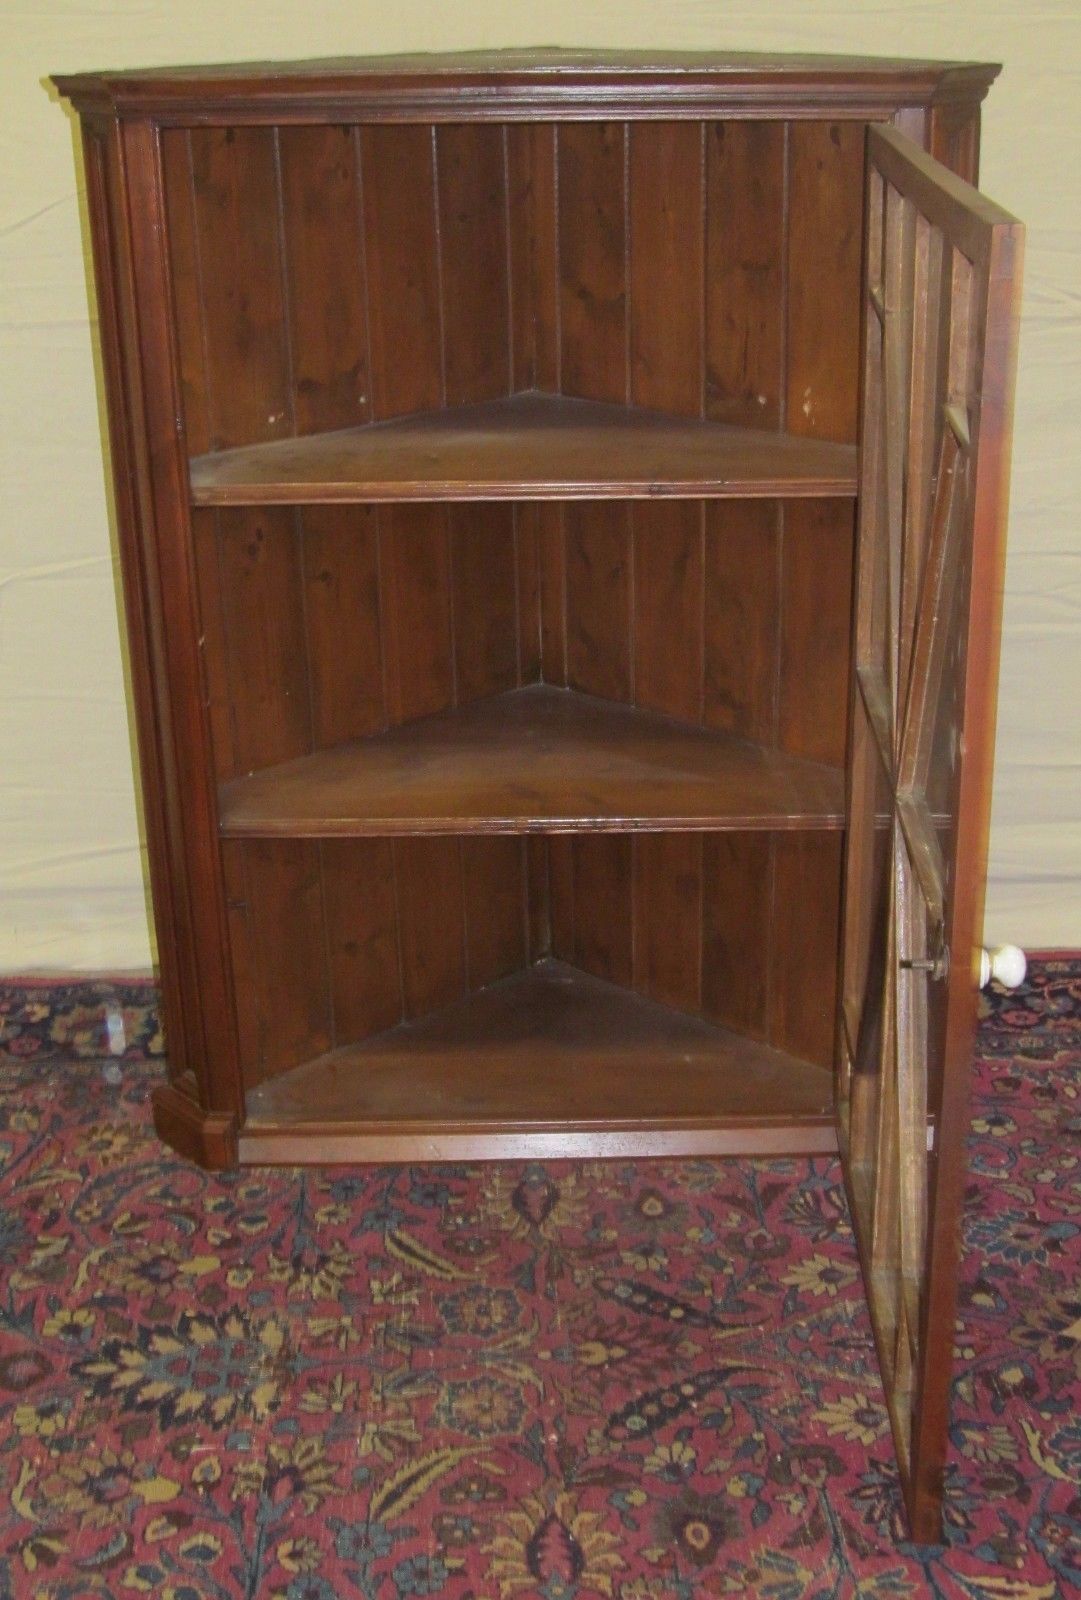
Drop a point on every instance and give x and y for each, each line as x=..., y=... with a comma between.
x=938, y=966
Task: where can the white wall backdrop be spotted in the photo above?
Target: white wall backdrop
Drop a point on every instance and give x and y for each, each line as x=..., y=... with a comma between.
x=71, y=869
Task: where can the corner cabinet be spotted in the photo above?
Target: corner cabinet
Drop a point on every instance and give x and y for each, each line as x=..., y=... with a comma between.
x=561, y=504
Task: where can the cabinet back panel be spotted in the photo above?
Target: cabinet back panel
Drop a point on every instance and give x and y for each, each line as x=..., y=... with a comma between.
x=530, y=520
x=737, y=931
x=330, y=623
x=598, y=586
x=592, y=247
x=746, y=267
x=532, y=255
x=668, y=618
x=806, y=932
x=401, y=236
x=815, y=612
x=474, y=261
x=330, y=276
x=363, y=618
x=739, y=928
x=741, y=617
x=343, y=623
x=824, y=246
x=323, y=245
x=667, y=911
x=333, y=941
x=665, y=253
x=484, y=585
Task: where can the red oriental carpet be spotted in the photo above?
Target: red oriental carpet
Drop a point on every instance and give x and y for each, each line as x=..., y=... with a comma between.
x=648, y=1382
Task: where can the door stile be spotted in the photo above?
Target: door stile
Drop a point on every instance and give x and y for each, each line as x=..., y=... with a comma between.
x=939, y=330
x=994, y=378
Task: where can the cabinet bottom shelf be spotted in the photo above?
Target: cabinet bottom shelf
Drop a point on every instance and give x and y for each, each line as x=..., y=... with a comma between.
x=549, y=1063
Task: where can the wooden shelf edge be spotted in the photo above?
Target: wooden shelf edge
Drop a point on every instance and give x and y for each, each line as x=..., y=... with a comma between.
x=267, y=1144
x=526, y=446
x=434, y=826
x=536, y=760
x=394, y=493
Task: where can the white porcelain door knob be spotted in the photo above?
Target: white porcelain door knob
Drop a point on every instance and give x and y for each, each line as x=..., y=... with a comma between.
x=1007, y=965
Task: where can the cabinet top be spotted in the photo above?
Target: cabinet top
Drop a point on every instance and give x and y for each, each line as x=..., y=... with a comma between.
x=528, y=84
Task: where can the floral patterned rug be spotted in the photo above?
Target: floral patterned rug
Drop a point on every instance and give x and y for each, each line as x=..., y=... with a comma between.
x=648, y=1382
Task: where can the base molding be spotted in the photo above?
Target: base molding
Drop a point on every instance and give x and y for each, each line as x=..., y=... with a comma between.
x=208, y=1138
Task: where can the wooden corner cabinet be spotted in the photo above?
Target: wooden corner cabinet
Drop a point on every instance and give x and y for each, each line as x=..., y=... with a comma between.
x=561, y=501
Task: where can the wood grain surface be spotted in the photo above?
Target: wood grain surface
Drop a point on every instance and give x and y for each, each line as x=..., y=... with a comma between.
x=535, y=760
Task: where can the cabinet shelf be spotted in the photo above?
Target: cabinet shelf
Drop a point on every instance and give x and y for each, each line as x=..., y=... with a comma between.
x=535, y=760
x=546, y=1059
x=528, y=446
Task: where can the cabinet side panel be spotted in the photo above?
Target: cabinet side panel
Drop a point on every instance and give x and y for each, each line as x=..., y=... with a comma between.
x=160, y=476
x=112, y=275
x=400, y=239
x=955, y=138
x=241, y=343
x=336, y=940
x=473, y=262
x=329, y=623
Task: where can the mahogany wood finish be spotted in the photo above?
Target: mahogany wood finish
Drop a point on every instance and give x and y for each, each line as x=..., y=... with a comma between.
x=488, y=457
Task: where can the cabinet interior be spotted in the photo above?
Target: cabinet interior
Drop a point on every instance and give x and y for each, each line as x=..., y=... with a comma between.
x=332, y=278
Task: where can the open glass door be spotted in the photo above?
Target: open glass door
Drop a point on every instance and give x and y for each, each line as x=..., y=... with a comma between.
x=942, y=276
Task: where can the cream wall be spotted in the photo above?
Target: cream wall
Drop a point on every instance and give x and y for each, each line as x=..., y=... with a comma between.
x=71, y=871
